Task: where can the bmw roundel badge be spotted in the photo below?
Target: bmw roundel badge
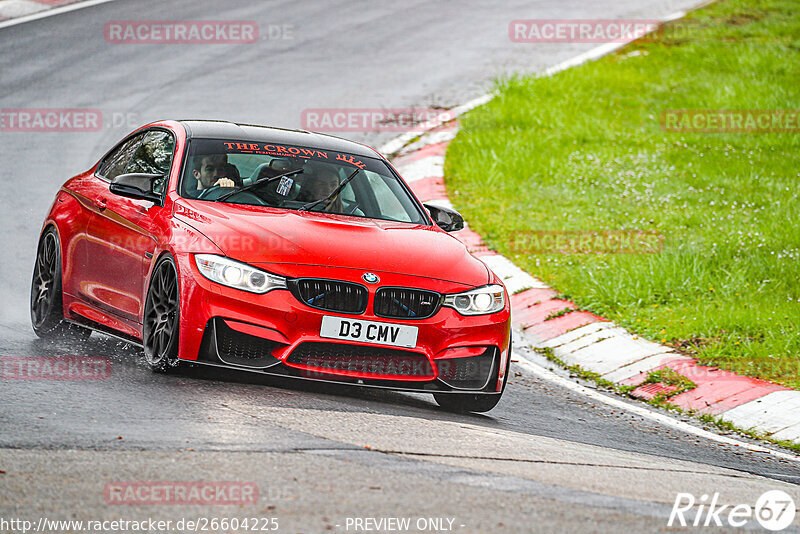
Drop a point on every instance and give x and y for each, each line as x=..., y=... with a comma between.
x=370, y=278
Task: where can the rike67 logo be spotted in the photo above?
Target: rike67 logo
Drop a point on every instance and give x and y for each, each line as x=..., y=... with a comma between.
x=774, y=510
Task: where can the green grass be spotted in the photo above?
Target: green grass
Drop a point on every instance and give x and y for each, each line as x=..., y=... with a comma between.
x=584, y=150
x=669, y=377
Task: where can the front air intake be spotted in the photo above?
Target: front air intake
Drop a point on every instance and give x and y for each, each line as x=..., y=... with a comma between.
x=364, y=361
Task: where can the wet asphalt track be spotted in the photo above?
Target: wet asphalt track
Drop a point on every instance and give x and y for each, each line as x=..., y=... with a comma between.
x=557, y=459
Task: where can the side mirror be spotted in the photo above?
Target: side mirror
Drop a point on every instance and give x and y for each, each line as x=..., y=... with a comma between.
x=135, y=185
x=445, y=218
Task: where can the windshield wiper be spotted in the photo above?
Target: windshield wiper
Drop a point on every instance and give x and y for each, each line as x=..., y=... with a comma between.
x=264, y=180
x=329, y=198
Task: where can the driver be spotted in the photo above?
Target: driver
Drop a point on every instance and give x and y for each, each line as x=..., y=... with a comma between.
x=211, y=170
x=232, y=172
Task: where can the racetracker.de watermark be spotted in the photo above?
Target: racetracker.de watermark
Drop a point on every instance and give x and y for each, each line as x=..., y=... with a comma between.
x=730, y=120
x=181, y=493
x=579, y=30
x=375, y=119
x=181, y=32
x=40, y=120
x=146, y=525
x=728, y=372
x=586, y=242
x=55, y=368
x=368, y=367
x=50, y=120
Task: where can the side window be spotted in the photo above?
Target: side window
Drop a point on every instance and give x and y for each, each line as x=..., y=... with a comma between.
x=115, y=162
x=154, y=156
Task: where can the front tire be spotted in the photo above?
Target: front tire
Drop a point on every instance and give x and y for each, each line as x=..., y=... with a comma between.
x=463, y=403
x=162, y=318
x=47, y=303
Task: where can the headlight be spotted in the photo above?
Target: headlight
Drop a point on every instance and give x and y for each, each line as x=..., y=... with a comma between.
x=238, y=275
x=480, y=301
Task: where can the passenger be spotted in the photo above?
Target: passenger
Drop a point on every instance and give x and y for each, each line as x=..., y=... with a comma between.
x=319, y=185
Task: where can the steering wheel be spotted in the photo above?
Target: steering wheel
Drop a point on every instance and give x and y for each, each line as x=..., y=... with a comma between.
x=245, y=197
x=206, y=192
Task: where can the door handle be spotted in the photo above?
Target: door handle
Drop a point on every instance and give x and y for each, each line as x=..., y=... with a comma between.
x=101, y=204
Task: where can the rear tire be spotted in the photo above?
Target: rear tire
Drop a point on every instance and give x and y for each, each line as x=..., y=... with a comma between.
x=162, y=318
x=466, y=402
x=47, y=302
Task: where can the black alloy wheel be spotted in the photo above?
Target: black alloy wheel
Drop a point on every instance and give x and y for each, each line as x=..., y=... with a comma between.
x=47, y=314
x=161, y=317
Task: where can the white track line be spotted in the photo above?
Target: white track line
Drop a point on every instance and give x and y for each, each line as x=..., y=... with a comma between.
x=432, y=166
x=50, y=12
x=660, y=418
x=396, y=144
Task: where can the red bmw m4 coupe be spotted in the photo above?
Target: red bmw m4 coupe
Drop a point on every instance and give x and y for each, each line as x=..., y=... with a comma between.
x=273, y=251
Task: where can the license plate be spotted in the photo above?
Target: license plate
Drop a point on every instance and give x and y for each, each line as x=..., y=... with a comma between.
x=396, y=335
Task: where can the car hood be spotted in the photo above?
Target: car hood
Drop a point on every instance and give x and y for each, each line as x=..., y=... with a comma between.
x=262, y=235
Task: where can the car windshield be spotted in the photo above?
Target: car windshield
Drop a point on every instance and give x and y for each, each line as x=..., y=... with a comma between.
x=295, y=178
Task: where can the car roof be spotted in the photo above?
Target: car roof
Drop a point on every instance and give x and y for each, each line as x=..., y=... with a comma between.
x=207, y=129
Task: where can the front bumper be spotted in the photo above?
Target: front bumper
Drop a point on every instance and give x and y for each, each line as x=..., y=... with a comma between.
x=275, y=333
